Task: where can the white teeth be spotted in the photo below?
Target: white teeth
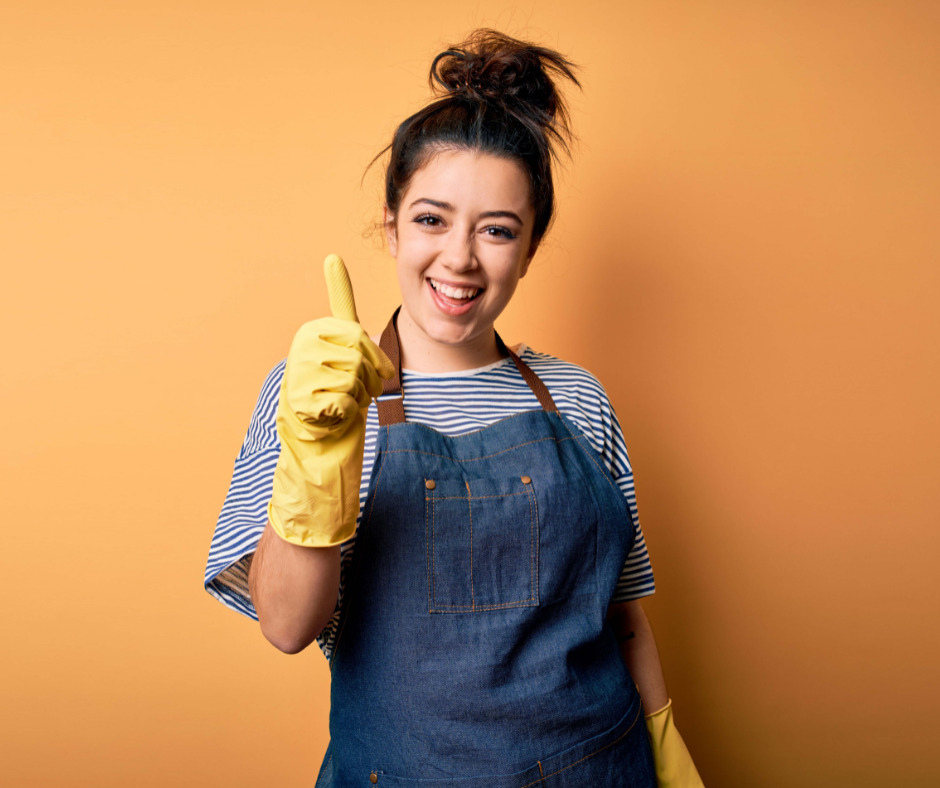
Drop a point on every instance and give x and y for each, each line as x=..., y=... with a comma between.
x=454, y=292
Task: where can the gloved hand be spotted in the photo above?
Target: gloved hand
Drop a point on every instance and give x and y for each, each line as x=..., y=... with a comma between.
x=333, y=371
x=674, y=767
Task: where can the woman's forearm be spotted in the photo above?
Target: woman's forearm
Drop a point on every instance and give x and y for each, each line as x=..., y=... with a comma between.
x=639, y=652
x=294, y=590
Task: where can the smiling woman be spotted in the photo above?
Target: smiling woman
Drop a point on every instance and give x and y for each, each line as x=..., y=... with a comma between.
x=478, y=528
x=463, y=240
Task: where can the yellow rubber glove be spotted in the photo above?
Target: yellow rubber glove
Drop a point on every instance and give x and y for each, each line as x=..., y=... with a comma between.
x=333, y=371
x=674, y=767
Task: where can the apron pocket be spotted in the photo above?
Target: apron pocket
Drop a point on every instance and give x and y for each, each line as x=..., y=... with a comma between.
x=482, y=539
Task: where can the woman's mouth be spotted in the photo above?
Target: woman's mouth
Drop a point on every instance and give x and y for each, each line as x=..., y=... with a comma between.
x=456, y=293
x=454, y=300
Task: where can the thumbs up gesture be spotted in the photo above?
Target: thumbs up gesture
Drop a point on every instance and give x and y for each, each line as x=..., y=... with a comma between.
x=333, y=371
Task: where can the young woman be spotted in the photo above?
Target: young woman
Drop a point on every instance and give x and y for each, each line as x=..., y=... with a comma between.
x=478, y=527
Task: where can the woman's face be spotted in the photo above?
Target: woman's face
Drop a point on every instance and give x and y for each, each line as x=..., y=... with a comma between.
x=463, y=240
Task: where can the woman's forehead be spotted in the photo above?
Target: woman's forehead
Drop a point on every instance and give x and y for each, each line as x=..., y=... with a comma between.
x=470, y=176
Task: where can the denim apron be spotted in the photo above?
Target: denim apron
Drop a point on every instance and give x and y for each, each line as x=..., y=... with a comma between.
x=472, y=650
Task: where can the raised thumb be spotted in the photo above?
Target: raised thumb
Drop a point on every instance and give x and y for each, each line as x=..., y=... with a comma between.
x=339, y=288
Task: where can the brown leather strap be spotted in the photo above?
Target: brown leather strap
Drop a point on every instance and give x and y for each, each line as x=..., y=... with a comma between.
x=392, y=411
x=535, y=382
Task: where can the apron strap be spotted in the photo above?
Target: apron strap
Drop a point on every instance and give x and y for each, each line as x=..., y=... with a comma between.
x=392, y=410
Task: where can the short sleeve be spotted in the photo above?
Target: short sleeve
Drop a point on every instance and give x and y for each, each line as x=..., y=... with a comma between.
x=636, y=577
x=244, y=512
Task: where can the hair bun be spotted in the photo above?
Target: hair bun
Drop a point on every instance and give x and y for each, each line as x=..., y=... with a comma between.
x=495, y=95
x=493, y=67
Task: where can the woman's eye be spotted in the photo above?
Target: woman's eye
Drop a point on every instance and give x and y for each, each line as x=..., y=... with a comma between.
x=497, y=231
x=428, y=220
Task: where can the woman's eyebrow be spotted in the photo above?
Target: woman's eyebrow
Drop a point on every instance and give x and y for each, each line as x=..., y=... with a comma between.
x=501, y=215
x=446, y=206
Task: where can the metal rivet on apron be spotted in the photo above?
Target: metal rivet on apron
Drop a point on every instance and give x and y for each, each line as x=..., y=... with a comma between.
x=526, y=480
x=430, y=484
x=373, y=778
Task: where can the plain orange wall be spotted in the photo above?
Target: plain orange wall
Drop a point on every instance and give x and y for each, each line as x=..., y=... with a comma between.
x=746, y=254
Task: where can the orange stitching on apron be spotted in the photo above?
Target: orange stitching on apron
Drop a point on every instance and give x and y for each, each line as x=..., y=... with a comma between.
x=533, y=546
x=429, y=542
x=533, y=540
x=473, y=604
x=475, y=497
x=590, y=454
x=471, y=609
x=591, y=755
x=328, y=762
x=488, y=456
x=377, y=477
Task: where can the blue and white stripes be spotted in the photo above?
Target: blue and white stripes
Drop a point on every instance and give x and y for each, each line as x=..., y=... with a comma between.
x=452, y=403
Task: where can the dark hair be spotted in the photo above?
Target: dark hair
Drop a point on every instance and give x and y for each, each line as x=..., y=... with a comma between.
x=499, y=97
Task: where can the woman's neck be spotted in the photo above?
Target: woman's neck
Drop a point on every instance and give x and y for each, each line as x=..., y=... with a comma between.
x=422, y=353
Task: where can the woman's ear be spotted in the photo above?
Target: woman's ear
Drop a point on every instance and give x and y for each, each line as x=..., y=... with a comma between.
x=391, y=232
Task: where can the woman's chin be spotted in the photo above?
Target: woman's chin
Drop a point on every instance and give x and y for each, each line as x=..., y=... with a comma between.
x=452, y=337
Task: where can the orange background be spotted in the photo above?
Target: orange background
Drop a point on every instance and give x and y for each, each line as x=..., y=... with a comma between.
x=746, y=254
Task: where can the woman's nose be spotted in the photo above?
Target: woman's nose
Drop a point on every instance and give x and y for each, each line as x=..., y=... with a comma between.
x=459, y=253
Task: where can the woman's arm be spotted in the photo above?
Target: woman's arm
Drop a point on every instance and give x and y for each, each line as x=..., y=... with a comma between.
x=333, y=371
x=674, y=766
x=294, y=590
x=639, y=652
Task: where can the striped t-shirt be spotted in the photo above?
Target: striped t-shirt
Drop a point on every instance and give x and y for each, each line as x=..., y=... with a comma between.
x=452, y=403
